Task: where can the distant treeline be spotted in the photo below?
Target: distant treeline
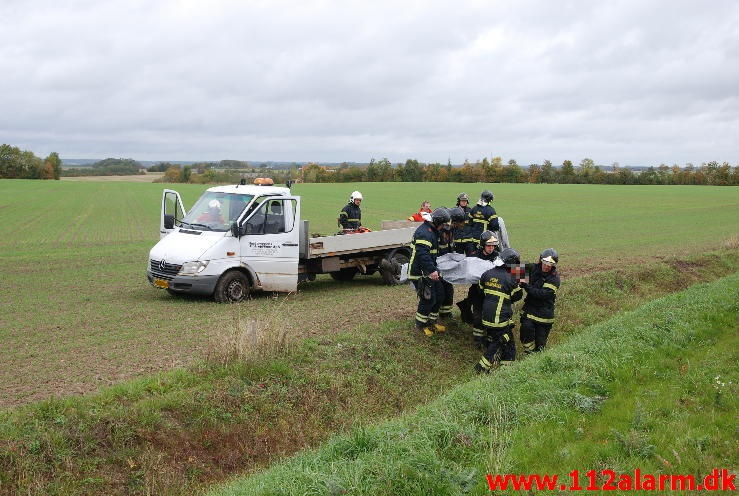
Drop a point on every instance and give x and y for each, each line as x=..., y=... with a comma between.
x=108, y=167
x=214, y=172
x=23, y=164
x=15, y=163
x=495, y=171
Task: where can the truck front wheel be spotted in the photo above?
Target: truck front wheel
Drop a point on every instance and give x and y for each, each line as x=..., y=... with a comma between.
x=232, y=287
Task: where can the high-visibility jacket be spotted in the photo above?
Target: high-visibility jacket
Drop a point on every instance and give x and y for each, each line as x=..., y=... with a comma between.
x=541, y=293
x=425, y=249
x=350, y=216
x=418, y=216
x=462, y=234
x=500, y=290
x=482, y=218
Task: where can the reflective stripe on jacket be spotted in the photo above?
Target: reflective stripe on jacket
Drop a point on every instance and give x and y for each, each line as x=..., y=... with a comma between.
x=500, y=291
x=424, y=250
x=482, y=218
x=541, y=294
x=350, y=216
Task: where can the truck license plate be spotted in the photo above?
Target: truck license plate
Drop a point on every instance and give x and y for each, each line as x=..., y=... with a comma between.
x=161, y=283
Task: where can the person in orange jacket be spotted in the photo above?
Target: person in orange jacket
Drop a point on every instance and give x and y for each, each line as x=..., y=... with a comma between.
x=425, y=208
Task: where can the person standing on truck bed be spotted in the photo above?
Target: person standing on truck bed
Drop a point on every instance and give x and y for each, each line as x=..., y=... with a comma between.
x=424, y=274
x=350, y=217
x=537, y=314
x=482, y=218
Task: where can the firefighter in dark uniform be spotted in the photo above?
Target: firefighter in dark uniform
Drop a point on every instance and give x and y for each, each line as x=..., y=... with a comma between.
x=424, y=274
x=501, y=289
x=447, y=245
x=489, y=247
x=487, y=250
x=462, y=232
x=350, y=217
x=537, y=315
x=482, y=218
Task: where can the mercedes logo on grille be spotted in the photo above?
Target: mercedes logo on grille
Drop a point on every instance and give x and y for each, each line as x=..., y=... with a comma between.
x=162, y=265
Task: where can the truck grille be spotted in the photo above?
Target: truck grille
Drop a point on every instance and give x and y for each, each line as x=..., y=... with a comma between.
x=164, y=270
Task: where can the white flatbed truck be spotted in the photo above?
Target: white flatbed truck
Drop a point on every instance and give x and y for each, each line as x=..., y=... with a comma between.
x=241, y=238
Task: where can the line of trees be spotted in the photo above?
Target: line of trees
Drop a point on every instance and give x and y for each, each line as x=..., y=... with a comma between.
x=108, y=167
x=495, y=171
x=205, y=173
x=24, y=164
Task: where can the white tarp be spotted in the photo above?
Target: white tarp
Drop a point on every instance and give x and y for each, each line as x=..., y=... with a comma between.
x=457, y=268
x=502, y=235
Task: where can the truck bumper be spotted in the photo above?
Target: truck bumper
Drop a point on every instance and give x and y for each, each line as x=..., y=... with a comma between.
x=199, y=285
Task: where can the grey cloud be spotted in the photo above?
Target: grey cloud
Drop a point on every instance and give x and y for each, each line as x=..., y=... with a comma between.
x=628, y=81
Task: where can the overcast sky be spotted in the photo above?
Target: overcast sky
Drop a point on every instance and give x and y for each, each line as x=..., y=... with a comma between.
x=636, y=82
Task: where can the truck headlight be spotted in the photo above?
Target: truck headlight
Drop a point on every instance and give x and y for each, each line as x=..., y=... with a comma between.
x=192, y=268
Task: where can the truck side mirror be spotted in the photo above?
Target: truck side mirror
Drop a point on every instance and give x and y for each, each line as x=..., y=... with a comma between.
x=238, y=230
x=168, y=221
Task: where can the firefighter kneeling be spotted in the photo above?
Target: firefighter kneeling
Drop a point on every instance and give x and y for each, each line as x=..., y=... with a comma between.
x=500, y=289
x=537, y=315
x=424, y=273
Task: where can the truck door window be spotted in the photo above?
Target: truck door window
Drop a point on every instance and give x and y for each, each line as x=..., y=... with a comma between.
x=172, y=207
x=273, y=217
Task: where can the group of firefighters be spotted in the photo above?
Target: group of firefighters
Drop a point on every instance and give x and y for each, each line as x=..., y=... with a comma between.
x=488, y=307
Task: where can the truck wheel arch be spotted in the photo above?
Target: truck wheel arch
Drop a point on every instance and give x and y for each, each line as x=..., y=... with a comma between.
x=234, y=286
x=251, y=275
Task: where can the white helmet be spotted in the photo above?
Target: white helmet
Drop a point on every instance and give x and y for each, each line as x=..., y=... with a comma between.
x=214, y=204
x=355, y=195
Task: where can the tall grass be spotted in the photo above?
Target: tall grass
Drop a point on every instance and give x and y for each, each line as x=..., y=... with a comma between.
x=251, y=337
x=448, y=446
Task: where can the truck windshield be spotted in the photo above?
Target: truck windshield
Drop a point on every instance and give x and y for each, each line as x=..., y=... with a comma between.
x=215, y=211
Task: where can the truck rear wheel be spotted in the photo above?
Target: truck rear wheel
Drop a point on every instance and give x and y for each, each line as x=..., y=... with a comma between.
x=346, y=274
x=390, y=268
x=232, y=287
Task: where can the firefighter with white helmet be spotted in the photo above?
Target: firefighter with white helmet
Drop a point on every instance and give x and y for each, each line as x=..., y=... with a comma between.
x=350, y=217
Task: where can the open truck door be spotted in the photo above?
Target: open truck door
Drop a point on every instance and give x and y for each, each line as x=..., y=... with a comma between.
x=172, y=212
x=270, y=242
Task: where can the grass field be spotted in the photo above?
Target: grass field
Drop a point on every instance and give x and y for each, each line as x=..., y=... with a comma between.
x=78, y=315
x=75, y=255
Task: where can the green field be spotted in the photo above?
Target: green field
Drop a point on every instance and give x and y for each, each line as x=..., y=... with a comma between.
x=78, y=315
x=75, y=255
